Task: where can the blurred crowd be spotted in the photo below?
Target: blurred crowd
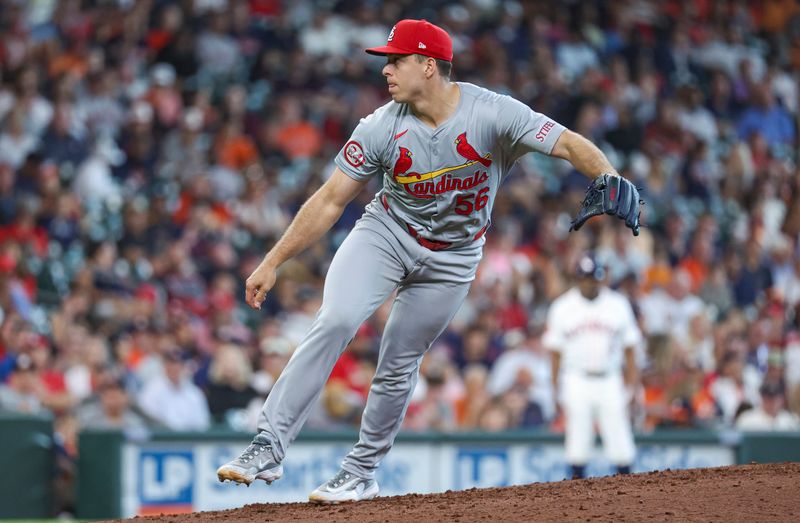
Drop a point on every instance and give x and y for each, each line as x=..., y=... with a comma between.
x=151, y=152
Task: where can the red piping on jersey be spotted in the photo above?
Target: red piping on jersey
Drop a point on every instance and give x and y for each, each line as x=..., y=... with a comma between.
x=432, y=245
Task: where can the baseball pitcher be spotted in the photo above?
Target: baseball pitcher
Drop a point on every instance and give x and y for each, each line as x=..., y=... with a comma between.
x=442, y=149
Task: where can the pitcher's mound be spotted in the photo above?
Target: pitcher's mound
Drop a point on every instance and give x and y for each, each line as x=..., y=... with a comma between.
x=740, y=493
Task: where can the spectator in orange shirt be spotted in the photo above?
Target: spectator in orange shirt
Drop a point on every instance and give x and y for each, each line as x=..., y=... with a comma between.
x=293, y=135
x=697, y=263
x=233, y=148
x=659, y=273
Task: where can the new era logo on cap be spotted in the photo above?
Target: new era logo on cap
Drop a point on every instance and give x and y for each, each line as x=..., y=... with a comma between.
x=417, y=37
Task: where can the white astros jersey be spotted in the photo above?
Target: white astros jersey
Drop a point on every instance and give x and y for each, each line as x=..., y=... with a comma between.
x=442, y=182
x=591, y=334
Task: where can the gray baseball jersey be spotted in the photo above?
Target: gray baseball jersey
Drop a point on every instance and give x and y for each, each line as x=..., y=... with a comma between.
x=439, y=185
x=443, y=181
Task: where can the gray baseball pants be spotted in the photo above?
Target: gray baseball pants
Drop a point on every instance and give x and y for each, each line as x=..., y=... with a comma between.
x=377, y=257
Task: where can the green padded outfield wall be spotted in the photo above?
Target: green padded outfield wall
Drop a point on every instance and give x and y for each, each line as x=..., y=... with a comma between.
x=27, y=459
x=770, y=447
x=109, y=479
x=99, y=490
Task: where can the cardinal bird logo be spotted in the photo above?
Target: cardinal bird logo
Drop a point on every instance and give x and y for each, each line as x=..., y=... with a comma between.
x=467, y=151
x=403, y=164
x=401, y=167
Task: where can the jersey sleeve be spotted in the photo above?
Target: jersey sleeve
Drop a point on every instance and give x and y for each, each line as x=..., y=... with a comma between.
x=553, y=337
x=631, y=336
x=525, y=130
x=360, y=156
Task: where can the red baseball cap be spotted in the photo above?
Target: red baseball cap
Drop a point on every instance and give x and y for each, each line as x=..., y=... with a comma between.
x=417, y=37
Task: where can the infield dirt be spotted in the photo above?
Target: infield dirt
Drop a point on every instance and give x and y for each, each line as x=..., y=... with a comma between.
x=739, y=493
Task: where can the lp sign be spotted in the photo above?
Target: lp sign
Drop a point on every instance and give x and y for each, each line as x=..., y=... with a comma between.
x=482, y=467
x=166, y=479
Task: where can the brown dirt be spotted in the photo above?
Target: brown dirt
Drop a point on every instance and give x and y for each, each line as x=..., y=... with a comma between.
x=740, y=493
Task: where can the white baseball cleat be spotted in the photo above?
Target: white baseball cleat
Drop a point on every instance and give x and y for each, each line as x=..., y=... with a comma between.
x=344, y=487
x=256, y=462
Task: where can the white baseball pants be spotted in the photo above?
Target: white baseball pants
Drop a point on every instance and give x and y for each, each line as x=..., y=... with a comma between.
x=586, y=399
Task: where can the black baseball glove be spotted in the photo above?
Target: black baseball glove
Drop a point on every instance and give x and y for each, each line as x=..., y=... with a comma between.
x=610, y=194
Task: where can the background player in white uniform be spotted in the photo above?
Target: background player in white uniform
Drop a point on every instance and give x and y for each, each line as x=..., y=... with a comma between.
x=593, y=335
x=442, y=149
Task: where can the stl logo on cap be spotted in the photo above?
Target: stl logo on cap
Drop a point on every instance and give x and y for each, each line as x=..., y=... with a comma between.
x=391, y=34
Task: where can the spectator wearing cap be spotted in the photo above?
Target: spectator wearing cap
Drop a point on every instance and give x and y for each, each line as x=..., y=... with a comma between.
x=172, y=399
x=24, y=391
x=110, y=409
x=771, y=414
